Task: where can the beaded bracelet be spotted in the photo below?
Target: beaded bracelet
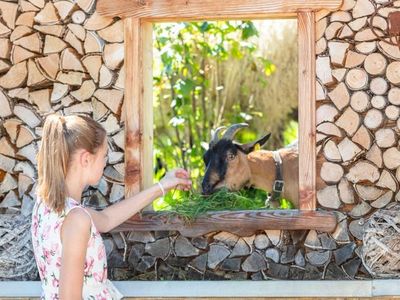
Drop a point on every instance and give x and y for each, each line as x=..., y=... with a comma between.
x=162, y=188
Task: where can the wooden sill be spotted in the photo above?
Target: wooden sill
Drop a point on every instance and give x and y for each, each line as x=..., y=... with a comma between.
x=243, y=223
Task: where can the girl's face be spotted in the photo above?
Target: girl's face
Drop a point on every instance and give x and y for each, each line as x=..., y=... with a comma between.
x=97, y=164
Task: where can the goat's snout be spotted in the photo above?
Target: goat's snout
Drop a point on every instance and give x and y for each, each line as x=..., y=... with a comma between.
x=206, y=188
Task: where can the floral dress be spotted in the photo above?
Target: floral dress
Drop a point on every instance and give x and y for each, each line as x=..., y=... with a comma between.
x=47, y=247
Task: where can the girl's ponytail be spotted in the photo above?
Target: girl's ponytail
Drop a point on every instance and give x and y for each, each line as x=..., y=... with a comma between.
x=61, y=137
x=53, y=158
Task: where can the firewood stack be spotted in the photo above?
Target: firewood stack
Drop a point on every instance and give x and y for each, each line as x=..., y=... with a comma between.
x=56, y=57
x=358, y=94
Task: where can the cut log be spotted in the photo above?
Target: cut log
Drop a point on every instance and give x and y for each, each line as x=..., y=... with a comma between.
x=331, y=152
x=346, y=192
x=331, y=172
x=363, y=137
x=111, y=98
x=9, y=13
x=393, y=72
x=100, y=111
x=385, y=11
x=64, y=8
x=357, y=24
x=15, y=77
x=19, y=93
x=27, y=6
x=41, y=98
x=360, y=101
x=383, y=200
x=340, y=96
x=113, y=33
x=366, y=47
x=398, y=174
x=329, y=197
x=345, y=32
x=106, y=77
x=119, y=139
x=83, y=107
x=348, y=150
x=363, y=8
x=29, y=152
x=113, y=57
x=341, y=16
x=38, y=3
x=6, y=148
x=4, y=66
x=5, y=47
x=5, y=104
x=85, y=91
x=375, y=155
x=4, y=30
x=25, y=136
x=19, y=54
x=71, y=78
x=357, y=79
x=71, y=39
x=339, y=73
x=332, y=30
x=347, y=5
x=78, y=17
x=392, y=112
x=35, y=76
x=366, y=35
x=320, y=28
x=368, y=192
x=363, y=170
x=385, y=137
x=120, y=82
x=394, y=96
x=388, y=180
x=31, y=42
x=70, y=62
x=12, y=127
x=375, y=64
x=391, y=158
x=59, y=91
x=78, y=31
x=49, y=65
x=92, y=64
x=373, y=119
x=391, y=51
x=56, y=30
x=378, y=85
x=349, y=121
x=329, y=128
x=53, y=44
x=67, y=101
x=19, y=32
x=111, y=124
x=26, y=19
x=378, y=102
x=24, y=184
x=380, y=23
x=354, y=59
x=27, y=114
x=326, y=113
x=6, y=164
x=320, y=46
x=97, y=22
x=48, y=15
x=93, y=43
x=9, y=183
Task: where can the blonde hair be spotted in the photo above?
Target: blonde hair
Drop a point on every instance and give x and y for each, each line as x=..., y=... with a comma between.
x=61, y=137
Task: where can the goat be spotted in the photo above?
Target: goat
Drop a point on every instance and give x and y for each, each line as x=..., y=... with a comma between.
x=234, y=166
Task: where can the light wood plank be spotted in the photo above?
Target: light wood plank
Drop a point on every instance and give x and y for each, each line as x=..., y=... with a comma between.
x=307, y=122
x=158, y=10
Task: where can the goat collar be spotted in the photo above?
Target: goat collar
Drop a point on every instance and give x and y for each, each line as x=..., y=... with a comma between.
x=279, y=184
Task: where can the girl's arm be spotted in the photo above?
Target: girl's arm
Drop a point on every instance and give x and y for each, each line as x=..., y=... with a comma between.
x=119, y=212
x=75, y=234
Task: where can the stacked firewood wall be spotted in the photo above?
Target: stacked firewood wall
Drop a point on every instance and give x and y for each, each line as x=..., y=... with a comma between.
x=62, y=56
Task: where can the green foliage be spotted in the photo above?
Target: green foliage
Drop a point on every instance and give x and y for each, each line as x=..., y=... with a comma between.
x=290, y=133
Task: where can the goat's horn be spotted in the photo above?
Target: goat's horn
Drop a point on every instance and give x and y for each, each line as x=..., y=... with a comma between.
x=231, y=131
x=214, y=133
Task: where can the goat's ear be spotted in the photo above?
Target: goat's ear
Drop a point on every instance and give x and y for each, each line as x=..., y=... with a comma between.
x=256, y=145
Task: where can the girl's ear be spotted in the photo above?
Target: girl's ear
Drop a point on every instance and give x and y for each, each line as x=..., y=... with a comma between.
x=84, y=158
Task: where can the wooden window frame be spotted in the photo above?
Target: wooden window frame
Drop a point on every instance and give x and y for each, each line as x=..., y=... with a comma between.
x=138, y=17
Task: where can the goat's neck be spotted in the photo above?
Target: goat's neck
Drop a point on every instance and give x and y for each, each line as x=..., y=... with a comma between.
x=262, y=170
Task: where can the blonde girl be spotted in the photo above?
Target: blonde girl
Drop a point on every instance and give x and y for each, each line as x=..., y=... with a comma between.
x=67, y=244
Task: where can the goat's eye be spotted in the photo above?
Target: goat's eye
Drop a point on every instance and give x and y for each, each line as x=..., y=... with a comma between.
x=230, y=156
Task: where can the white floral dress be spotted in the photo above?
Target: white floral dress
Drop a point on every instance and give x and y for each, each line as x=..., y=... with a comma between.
x=46, y=240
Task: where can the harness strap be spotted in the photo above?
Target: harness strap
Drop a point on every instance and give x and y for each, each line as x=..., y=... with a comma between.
x=279, y=184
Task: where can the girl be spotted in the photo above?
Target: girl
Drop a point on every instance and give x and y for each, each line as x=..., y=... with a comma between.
x=67, y=244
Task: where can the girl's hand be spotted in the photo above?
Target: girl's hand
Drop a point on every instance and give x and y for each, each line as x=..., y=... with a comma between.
x=178, y=178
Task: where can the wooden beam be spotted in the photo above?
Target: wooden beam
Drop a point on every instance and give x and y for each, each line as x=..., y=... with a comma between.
x=238, y=222
x=137, y=102
x=307, y=122
x=177, y=10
